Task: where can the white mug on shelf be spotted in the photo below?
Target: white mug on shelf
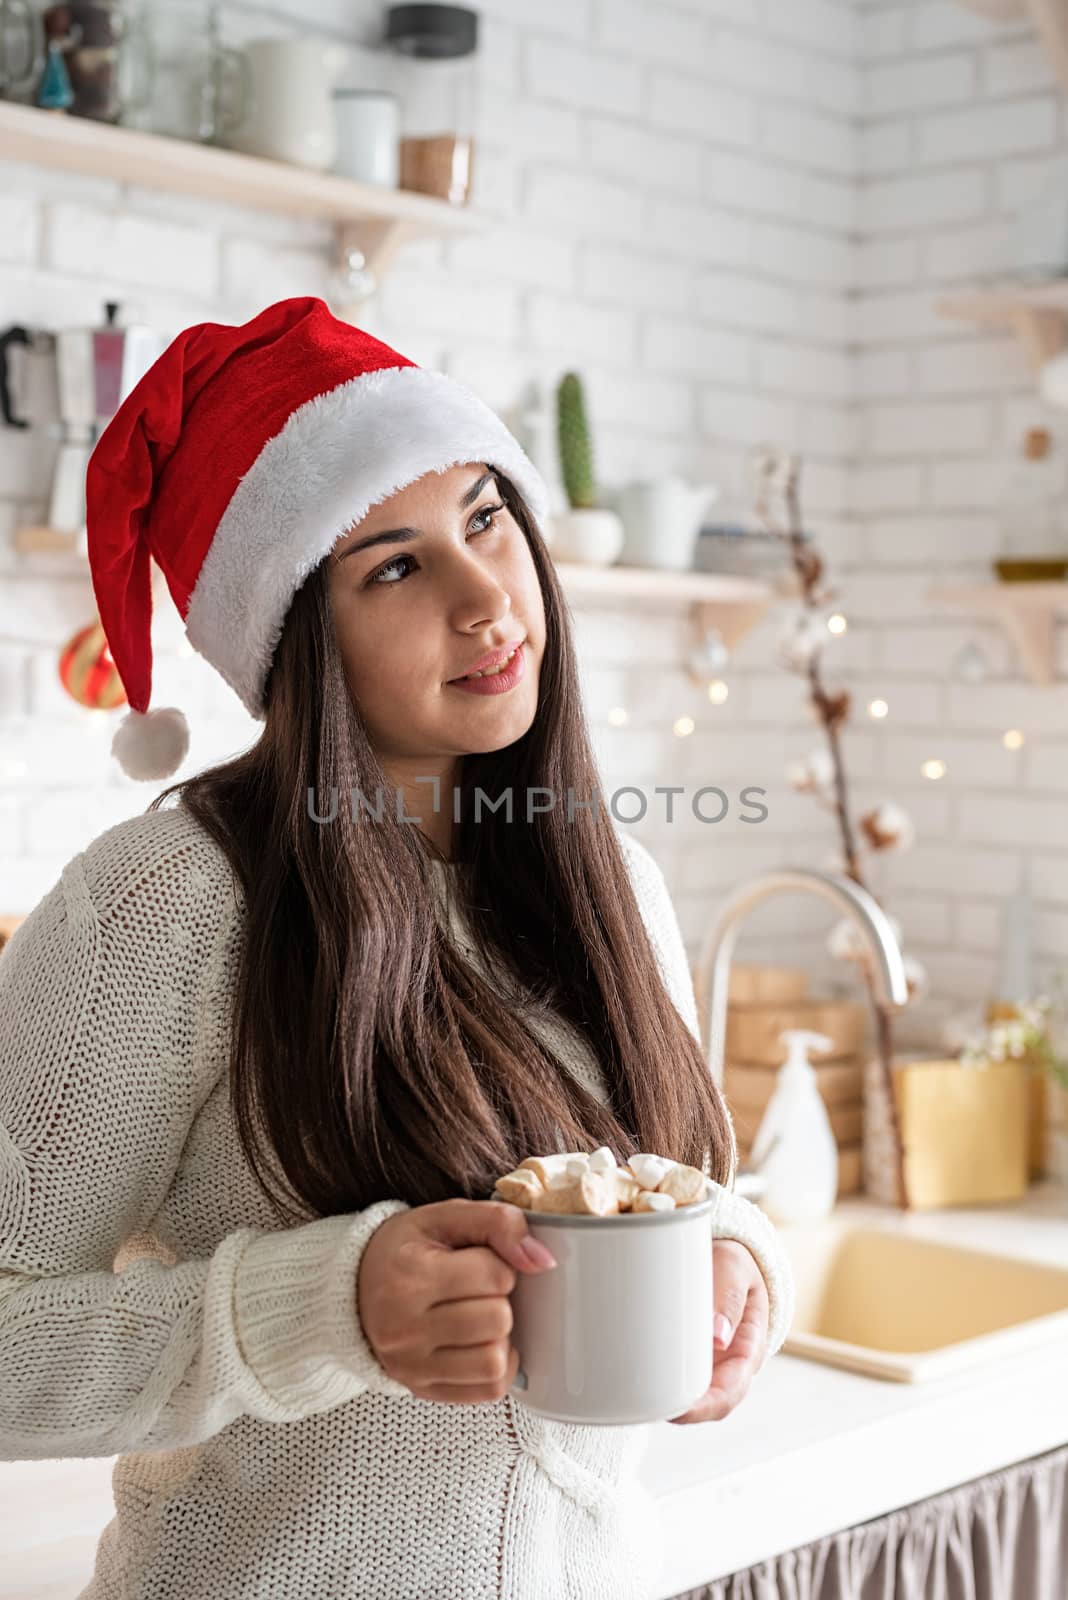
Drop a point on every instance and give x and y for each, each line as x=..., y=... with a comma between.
x=620, y=1330
x=368, y=135
x=291, y=117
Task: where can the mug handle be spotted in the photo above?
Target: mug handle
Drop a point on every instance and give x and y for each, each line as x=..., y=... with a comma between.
x=231, y=70
x=19, y=11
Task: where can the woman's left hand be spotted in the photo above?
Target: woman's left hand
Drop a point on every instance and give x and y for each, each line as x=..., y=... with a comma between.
x=741, y=1297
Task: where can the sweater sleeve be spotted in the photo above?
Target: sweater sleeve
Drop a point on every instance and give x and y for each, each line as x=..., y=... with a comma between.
x=98, y=1091
x=733, y=1216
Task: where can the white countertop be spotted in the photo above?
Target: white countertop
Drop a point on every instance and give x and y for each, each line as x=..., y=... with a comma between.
x=813, y=1449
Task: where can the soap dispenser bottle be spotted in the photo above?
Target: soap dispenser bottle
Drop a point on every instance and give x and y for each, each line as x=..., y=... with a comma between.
x=795, y=1150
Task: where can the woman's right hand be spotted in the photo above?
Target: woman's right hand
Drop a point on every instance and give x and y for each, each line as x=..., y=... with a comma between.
x=432, y=1297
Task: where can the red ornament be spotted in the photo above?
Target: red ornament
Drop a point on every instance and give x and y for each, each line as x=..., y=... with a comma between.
x=87, y=671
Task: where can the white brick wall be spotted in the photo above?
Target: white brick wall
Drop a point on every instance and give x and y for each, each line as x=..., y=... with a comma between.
x=963, y=122
x=734, y=216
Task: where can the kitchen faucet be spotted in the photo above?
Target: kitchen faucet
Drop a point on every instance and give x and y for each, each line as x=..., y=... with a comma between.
x=713, y=969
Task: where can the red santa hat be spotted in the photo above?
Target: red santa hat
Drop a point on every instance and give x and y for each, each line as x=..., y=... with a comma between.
x=237, y=462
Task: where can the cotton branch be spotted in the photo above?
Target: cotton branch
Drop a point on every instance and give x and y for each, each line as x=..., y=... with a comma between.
x=832, y=711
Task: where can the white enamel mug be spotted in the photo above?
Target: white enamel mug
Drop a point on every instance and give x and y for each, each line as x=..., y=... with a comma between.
x=620, y=1330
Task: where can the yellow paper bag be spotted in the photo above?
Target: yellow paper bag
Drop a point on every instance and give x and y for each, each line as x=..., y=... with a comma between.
x=965, y=1131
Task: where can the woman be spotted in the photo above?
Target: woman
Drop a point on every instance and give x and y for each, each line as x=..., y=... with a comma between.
x=264, y=1052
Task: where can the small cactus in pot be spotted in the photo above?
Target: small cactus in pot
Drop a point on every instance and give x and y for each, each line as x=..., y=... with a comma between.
x=586, y=532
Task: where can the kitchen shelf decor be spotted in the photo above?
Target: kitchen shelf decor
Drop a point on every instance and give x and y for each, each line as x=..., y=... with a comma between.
x=372, y=220
x=1027, y=612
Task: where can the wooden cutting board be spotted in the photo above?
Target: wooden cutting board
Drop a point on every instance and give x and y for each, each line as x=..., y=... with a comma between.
x=847, y=1123
x=751, y=1086
x=763, y=986
x=850, y=1167
x=753, y=1033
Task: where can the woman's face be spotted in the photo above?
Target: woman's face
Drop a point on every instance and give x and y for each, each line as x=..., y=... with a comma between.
x=448, y=578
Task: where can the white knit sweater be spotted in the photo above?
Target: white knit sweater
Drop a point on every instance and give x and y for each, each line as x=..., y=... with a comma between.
x=152, y=1309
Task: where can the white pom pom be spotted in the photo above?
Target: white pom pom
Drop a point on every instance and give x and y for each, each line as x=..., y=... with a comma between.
x=152, y=744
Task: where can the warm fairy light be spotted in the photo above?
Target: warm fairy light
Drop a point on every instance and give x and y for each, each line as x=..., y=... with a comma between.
x=185, y=649
x=934, y=770
x=618, y=717
x=877, y=709
x=718, y=691
x=683, y=727
x=837, y=623
x=15, y=769
x=1013, y=738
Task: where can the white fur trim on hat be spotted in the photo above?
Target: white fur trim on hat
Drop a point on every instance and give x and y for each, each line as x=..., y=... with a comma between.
x=337, y=456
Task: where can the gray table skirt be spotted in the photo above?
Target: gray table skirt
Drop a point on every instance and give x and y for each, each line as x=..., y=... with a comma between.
x=1002, y=1537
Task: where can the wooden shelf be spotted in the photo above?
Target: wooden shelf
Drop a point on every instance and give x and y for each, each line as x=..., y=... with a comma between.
x=29, y=541
x=369, y=217
x=1035, y=309
x=719, y=600
x=1028, y=613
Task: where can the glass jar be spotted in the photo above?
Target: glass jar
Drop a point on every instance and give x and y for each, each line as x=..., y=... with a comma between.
x=432, y=70
x=106, y=53
x=1033, y=540
x=201, y=87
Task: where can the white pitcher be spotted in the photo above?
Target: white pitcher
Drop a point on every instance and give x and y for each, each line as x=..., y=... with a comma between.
x=291, y=116
x=661, y=521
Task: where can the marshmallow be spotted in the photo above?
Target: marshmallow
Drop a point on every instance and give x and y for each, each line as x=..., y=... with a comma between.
x=519, y=1187
x=592, y=1195
x=686, y=1185
x=597, y=1194
x=551, y=1170
x=561, y=1199
x=573, y=1183
x=649, y=1170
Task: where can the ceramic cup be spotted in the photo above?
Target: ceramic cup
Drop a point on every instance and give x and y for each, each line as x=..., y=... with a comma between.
x=620, y=1330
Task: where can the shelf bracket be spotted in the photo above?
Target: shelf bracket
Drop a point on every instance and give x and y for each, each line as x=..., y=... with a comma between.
x=378, y=240
x=1027, y=612
x=733, y=619
x=1033, y=633
x=1042, y=333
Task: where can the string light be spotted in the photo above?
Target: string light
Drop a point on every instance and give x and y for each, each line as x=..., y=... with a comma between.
x=15, y=769
x=683, y=727
x=185, y=650
x=934, y=770
x=618, y=717
x=1013, y=738
x=836, y=623
x=718, y=691
x=877, y=709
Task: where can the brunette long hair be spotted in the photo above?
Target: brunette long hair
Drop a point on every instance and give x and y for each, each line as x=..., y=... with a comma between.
x=369, y=1060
